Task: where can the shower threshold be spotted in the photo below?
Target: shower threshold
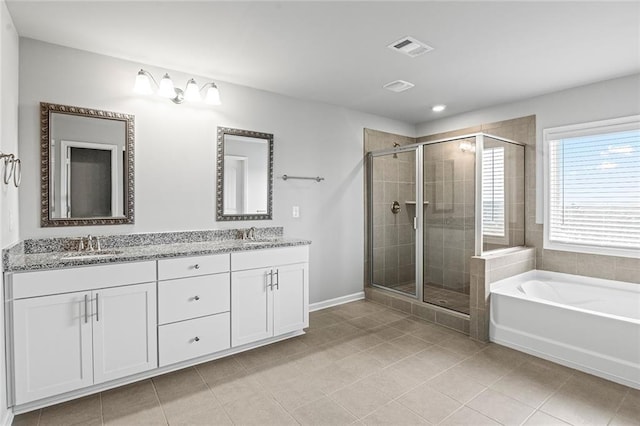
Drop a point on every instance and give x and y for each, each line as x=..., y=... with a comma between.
x=437, y=295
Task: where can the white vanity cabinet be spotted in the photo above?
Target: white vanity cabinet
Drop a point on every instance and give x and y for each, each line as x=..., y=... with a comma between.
x=52, y=346
x=193, y=307
x=76, y=330
x=269, y=293
x=68, y=341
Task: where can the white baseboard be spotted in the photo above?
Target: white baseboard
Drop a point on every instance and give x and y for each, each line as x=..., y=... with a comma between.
x=7, y=418
x=337, y=301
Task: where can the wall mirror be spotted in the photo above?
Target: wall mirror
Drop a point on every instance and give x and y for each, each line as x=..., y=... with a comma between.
x=244, y=175
x=86, y=158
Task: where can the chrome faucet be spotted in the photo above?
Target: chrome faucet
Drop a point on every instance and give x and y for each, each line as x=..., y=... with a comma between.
x=251, y=234
x=87, y=243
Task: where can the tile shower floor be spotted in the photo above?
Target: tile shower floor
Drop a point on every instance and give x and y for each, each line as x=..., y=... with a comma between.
x=361, y=363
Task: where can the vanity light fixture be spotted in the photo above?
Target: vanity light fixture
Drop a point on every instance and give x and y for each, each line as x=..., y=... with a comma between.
x=438, y=108
x=167, y=89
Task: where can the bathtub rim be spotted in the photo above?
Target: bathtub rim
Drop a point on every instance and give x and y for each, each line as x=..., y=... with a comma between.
x=509, y=287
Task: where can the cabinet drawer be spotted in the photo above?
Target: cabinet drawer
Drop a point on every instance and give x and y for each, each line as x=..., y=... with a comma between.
x=85, y=278
x=183, y=267
x=193, y=338
x=193, y=297
x=269, y=257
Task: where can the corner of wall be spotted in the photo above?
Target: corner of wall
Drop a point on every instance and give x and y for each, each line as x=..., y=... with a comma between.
x=9, y=68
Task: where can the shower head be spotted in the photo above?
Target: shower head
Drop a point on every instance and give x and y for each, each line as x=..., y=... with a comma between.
x=395, y=145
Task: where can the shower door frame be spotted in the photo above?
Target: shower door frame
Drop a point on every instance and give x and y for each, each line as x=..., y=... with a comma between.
x=419, y=220
x=417, y=227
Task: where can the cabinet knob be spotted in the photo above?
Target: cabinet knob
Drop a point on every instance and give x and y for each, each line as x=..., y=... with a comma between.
x=196, y=266
x=196, y=298
x=197, y=339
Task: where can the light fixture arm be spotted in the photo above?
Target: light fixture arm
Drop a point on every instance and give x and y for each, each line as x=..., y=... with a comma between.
x=179, y=96
x=148, y=74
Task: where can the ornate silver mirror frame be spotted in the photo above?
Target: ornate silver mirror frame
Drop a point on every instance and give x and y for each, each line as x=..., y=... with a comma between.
x=220, y=175
x=46, y=114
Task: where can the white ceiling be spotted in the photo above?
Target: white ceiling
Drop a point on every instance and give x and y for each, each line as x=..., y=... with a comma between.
x=486, y=53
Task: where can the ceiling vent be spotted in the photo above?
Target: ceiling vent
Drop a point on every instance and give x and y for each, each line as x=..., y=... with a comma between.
x=398, y=86
x=410, y=47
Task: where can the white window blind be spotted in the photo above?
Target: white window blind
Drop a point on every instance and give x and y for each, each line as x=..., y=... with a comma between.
x=593, y=192
x=493, y=209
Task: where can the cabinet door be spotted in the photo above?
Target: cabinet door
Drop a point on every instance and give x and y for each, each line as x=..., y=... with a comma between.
x=52, y=345
x=290, y=298
x=124, y=331
x=251, y=306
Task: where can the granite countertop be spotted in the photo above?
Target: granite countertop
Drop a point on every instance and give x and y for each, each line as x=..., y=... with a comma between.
x=22, y=257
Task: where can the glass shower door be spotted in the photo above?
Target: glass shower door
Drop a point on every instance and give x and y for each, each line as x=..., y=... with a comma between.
x=393, y=209
x=449, y=222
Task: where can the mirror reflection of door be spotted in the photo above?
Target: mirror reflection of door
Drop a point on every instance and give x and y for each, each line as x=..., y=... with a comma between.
x=246, y=175
x=90, y=178
x=236, y=180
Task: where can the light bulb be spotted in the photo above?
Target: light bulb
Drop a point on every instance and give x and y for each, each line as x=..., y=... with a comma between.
x=143, y=83
x=213, y=95
x=166, y=89
x=192, y=93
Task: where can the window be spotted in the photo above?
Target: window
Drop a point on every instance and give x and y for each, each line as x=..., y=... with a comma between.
x=493, y=206
x=592, y=188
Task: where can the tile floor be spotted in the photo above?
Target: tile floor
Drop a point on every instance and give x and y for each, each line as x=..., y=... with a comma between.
x=361, y=363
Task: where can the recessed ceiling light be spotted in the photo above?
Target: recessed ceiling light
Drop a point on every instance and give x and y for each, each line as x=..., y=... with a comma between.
x=410, y=47
x=398, y=86
x=438, y=108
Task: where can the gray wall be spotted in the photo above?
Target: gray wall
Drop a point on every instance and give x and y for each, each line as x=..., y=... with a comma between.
x=8, y=144
x=175, y=157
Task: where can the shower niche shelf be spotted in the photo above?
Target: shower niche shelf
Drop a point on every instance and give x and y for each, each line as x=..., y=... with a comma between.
x=413, y=203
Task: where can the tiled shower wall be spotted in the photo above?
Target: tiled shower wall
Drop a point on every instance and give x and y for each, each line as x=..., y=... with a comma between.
x=449, y=231
x=393, y=234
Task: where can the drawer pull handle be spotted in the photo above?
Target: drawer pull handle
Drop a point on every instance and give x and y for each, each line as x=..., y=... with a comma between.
x=196, y=266
x=197, y=339
x=196, y=298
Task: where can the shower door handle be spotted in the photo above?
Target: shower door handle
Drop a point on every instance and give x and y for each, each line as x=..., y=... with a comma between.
x=415, y=223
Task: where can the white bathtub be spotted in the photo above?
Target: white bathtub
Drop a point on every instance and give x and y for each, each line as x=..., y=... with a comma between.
x=585, y=323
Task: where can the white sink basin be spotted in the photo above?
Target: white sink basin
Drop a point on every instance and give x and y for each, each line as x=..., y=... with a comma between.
x=90, y=255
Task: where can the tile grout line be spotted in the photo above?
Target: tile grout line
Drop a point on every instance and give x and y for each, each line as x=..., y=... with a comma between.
x=539, y=408
x=155, y=392
x=615, y=413
x=101, y=409
x=224, y=410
